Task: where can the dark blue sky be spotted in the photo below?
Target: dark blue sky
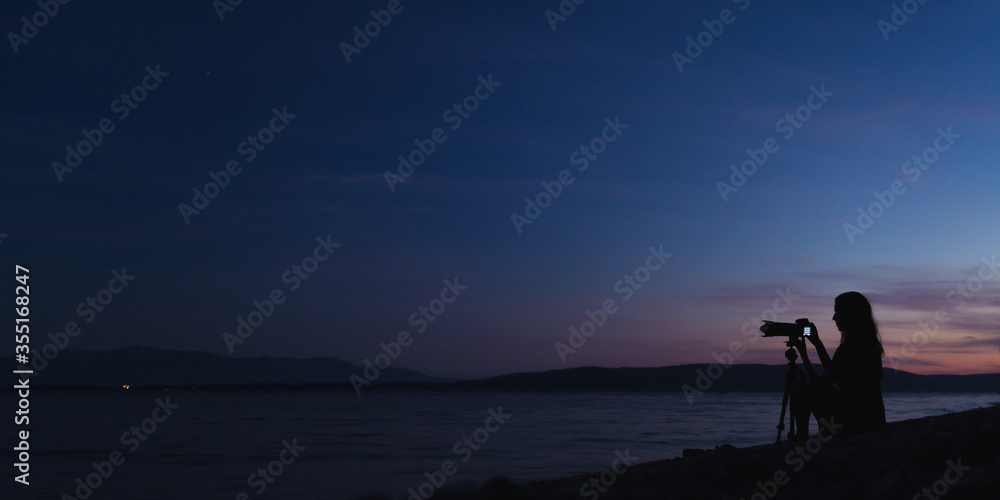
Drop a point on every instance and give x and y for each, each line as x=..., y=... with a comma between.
x=655, y=185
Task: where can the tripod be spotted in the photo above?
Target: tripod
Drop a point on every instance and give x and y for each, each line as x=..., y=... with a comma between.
x=791, y=376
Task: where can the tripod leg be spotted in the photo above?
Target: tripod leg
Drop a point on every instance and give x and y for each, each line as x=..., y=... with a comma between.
x=784, y=405
x=793, y=404
x=791, y=377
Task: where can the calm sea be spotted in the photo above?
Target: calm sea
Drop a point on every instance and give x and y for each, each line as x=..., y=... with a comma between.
x=380, y=442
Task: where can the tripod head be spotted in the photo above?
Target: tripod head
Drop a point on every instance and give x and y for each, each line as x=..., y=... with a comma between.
x=790, y=354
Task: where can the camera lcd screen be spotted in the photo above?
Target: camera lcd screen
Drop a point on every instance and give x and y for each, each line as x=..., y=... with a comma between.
x=807, y=331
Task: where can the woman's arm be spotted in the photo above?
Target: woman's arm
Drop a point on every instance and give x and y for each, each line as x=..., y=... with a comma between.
x=824, y=358
x=810, y=371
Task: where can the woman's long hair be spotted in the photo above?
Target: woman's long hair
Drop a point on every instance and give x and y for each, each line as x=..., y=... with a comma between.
x=854, y=312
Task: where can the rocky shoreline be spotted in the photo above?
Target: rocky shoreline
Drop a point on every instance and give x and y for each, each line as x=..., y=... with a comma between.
x=956, y=455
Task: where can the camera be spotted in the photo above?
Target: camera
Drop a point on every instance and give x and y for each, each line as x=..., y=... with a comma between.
x=801, y=328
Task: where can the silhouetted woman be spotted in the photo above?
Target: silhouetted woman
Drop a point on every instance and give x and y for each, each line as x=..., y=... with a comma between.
x=850, y=390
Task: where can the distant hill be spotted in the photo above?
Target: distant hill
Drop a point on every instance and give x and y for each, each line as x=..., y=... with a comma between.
x=737, y=378
x=139, y=366
x=147, y=366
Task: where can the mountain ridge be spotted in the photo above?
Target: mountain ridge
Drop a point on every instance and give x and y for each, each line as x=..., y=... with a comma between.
x=147, y=366
x=150, y=366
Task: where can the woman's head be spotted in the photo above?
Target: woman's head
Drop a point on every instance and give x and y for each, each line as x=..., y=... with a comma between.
x=853, y=315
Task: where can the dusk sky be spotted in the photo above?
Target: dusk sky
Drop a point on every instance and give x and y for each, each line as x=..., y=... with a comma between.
x=843, y=102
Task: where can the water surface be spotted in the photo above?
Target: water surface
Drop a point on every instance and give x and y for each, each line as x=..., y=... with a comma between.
x=384, y=442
